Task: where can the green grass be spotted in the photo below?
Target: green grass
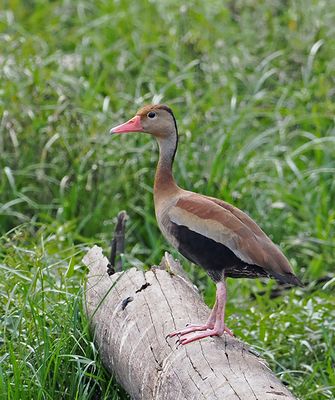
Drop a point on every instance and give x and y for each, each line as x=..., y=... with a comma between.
x=252, y=86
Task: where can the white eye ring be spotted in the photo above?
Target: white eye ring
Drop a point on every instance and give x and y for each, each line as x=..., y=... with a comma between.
x=151, y=115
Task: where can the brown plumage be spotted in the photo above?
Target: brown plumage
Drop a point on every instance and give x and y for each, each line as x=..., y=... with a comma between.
x=207, y=231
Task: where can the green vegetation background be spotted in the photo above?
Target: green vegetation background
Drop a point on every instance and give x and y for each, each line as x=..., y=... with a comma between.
x=252, y=85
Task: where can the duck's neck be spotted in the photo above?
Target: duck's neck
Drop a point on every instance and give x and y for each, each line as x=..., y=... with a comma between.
x=164, y=182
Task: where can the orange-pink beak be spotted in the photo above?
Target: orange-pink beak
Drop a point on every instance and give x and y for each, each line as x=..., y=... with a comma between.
x=133, y=125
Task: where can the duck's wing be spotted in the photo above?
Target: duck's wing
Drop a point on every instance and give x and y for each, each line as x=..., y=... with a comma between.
x=229, y=226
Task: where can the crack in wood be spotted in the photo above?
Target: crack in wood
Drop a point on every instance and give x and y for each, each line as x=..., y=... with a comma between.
x=252, y=390
x=126, y=301
x=194, y=367
x=227, y=355
x=277, y=393
x=195, y=384
x=210, y=367
x=163, y=375
x=159, y=363
x=143, y=287
x=237, y=395
x=199, y=373
x=167, y=301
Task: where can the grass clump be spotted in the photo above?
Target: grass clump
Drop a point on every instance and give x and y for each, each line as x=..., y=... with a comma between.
x=252, y=86
x=47, y=351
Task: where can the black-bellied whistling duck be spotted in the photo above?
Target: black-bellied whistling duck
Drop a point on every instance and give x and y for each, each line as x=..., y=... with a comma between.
x=207, y=231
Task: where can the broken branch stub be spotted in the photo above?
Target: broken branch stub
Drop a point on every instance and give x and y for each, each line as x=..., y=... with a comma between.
x=132, y=312
x=117, y=244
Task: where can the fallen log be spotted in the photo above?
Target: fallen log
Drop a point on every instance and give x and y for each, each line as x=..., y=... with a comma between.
x=131, y=312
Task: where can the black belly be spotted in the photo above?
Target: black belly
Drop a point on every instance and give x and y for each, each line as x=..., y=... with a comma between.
x=217, y=259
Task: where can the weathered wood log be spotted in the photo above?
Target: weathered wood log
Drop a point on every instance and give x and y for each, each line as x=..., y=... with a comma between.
x=131, y=313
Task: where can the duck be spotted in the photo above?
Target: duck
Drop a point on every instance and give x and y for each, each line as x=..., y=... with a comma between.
x=207, y=231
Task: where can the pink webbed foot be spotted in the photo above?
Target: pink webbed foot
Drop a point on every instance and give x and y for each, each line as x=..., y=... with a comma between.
x=190, y=328
x=209, y=331
x=185, y=339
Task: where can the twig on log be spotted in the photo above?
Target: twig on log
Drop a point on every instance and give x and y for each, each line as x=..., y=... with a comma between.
x=131, y=312
x=117, y=244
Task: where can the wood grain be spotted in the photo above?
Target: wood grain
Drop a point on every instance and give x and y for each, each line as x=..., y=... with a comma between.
x=131, y=313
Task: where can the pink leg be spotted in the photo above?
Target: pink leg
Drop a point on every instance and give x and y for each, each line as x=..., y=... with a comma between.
x=215, y=325
x=194, y=327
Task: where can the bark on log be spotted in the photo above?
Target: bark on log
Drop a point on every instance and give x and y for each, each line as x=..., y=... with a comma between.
x=131, y=313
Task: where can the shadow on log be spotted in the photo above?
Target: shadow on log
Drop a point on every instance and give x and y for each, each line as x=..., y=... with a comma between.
x=131, y=313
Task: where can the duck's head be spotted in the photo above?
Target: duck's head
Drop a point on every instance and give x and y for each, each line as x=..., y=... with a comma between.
x=157, y=120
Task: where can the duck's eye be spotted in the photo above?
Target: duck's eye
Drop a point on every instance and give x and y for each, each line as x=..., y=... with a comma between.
x=151, y=115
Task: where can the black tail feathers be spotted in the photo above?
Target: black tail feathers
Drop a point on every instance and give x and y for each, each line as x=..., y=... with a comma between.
x=288, y=278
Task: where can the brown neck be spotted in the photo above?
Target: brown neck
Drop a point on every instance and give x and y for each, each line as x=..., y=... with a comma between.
x=164, y=181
